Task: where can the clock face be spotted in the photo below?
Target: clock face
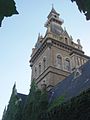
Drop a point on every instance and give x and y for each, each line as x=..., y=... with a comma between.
x=55, y=28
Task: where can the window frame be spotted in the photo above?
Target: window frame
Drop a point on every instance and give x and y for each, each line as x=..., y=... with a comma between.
x=67, y=64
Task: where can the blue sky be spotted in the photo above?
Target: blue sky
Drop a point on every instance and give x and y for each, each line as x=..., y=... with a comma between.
x=19, y=33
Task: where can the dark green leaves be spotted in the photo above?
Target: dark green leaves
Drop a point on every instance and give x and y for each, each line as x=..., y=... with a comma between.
x=7, y=9
x=37, y=103
x=77, y=108
x=83, y=6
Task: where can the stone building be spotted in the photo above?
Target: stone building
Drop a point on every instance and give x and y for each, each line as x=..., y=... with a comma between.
x=55, y=55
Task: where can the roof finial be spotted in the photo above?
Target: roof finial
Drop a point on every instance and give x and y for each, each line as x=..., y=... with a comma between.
x=39, y=35
x=52, y=6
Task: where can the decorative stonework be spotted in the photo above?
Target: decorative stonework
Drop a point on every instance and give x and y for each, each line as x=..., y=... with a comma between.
x=55, y=55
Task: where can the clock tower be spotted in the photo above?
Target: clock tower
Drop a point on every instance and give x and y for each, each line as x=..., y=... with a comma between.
x=55, y=55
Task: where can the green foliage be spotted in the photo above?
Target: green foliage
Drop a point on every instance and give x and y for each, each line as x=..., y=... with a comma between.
x=14, y=107
x=78, y=108
x=7, y=9
x=56, y=103
x=84, y=6
x=11, y=109
x=37, y=107
x=4, y=114
x=36, y=103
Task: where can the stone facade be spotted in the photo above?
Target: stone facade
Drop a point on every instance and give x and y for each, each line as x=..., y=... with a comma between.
x=55, y=55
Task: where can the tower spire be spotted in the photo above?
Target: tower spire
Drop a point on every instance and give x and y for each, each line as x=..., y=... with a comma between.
x=53, y=17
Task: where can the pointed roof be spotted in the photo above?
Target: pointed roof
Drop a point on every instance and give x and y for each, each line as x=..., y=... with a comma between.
x=53, y=11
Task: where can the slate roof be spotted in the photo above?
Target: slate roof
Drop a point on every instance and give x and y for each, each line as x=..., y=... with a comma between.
x=72, y=85
x=54, y=11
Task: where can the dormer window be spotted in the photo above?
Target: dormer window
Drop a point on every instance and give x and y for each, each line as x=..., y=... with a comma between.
x=77, y=73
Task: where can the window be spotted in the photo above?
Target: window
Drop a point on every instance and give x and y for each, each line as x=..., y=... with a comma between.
x=39, y=68
x=44, y=63
x=77, y=73
x=55, y=16
x=77, y=61
x=66, y=40
x=67, y=64
x=59, y=61
x=35, y=72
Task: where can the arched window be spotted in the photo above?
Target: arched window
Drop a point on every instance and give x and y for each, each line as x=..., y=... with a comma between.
x=59, y=61
x=67, y=64
x=66, y=40
x=39, y=68
x=44, y=63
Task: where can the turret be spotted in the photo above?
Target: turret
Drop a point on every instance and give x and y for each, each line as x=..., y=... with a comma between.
x=53, y=17
x=54, y=23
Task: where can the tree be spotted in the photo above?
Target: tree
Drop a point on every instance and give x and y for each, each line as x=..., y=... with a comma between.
x=14, y=107
x=36, y=103
x=7, y=9
x=4, y=114
x=83, y=6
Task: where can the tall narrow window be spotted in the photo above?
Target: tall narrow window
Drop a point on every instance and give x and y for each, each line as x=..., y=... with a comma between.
x=59, y=61
x=67, y=64
x=77, y=61
x=44, y=63
x=39, y=68
x=35, y=72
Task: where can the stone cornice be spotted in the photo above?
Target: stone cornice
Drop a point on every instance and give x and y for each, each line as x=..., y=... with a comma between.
x=60, y=43
x=56, y=42
x=75, y=52
x=66, y=46
x=54, y=70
